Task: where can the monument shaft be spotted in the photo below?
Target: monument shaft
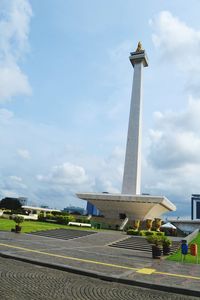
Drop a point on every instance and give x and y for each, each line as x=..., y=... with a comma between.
x=132, y=167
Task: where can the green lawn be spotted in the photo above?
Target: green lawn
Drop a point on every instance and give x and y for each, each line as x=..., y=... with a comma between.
x=28, y=226
x=188, y=258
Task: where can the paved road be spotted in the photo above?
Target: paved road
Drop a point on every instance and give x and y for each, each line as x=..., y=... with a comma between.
x=23, y=281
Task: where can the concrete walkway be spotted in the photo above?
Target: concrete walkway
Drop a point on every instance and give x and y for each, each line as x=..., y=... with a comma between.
x=90, y=255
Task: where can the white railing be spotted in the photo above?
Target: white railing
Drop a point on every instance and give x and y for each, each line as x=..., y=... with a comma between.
x=79, y=224
x=125, y=221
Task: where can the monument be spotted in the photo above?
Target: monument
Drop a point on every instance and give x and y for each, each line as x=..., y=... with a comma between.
x=130, y=204
x=132, y=167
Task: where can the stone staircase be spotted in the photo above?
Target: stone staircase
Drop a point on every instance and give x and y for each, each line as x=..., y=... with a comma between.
x=63, y=234
x=140, y=244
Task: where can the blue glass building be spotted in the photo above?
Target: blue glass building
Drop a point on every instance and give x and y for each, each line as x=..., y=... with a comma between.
x=92, y=210
x=195, y=206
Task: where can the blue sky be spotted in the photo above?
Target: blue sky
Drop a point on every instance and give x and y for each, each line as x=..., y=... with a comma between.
x=65, y=85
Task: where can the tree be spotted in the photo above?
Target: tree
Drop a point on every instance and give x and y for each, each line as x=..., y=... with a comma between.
x=10, y=203
x=18, y=220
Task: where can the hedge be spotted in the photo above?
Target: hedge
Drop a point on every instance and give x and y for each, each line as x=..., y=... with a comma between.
x=145, y=233
x=59, y=219
x=160, y=233
x=132, y=232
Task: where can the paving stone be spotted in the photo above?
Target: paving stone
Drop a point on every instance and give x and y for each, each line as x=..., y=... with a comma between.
x=24, y=281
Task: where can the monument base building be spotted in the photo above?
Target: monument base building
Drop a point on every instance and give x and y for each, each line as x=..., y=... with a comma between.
x=118, y=207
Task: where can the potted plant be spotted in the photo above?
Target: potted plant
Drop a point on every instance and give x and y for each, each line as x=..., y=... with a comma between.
x=166, y=243
x=156, y=245
x=149, y=223
x=136, y=224
x=18, y=220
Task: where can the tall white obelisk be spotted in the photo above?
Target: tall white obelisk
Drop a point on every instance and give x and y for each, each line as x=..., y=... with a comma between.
x=130, y=203
x=132, y=167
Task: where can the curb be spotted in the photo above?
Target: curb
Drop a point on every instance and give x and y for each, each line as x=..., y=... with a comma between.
x=65, y=268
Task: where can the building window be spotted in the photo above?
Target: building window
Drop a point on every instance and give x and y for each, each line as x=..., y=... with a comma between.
x=122, y=216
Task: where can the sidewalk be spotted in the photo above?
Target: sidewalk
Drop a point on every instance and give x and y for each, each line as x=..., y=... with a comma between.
x=91, y=255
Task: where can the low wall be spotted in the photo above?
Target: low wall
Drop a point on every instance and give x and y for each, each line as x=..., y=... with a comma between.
x=192, y=236
x=187, y=226
x=27, y=217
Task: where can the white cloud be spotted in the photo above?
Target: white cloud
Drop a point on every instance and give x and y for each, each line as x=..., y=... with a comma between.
x=173, y=160
x=12, y=82
x=12, y=186
x=175, y=39
x=5, y=116
x=16, y=178
x=114, y=77
x=14, y=183
x=23, y=153
x=14, y=30
x=105, y=185
x=97, y=175
x=65, y=174
x=108, y=172
x=178, y=44
x=8, y=193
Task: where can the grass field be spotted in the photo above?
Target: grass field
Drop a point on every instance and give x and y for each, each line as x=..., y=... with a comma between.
x=188, y=258
x=29, y=226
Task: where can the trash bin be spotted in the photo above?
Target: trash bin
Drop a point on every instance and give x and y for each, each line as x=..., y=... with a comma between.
x=193, y=249
x=184, y=247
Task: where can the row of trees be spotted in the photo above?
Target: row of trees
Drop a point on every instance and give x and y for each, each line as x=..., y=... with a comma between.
x=10, y=203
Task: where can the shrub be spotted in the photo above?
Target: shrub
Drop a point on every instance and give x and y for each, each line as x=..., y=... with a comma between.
x=71, y=218
x=132, y=232
x=166, y=241
x=58, y=218
x=142, y=233
x=147, y=233
x=7, y=212
x=10, y=203
x=159, y=233
x=82, y=220
x=155, y=240
x=59, y=213
x=64, y=219
x=18, y=211
x=50, y=216
x=18, y=219
x=41, y=217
